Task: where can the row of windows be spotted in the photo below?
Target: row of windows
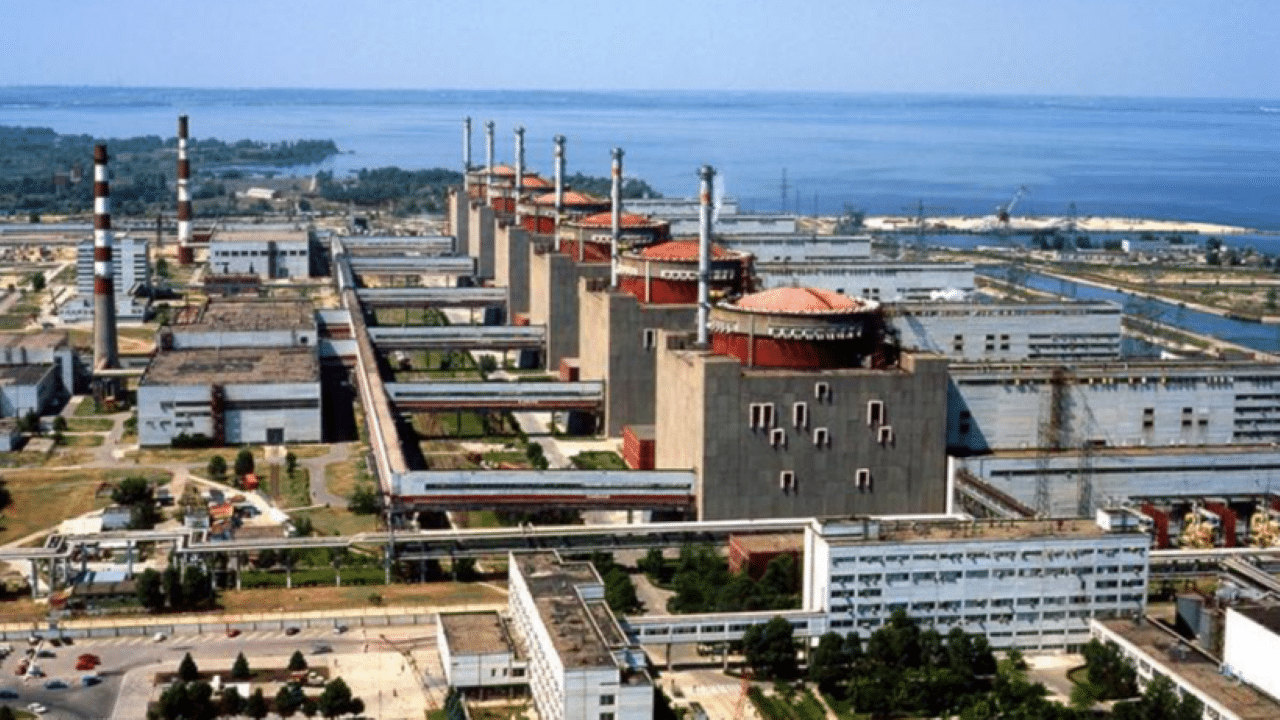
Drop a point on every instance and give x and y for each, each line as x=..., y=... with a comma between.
x=787, y=480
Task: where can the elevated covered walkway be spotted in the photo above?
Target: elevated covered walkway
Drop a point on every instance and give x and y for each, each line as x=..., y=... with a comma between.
x=514, y=396
x=459, y=337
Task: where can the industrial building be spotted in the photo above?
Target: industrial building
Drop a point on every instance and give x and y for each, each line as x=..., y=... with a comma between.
x=581, y=664
x=799, y=407
x=1008, y=332
x=269, y=254
x=1011, y=406
x=1029, y=584
x=882, y=281
x=618, y=331
x=44, y=348
x=479, y=656
x=131, y=281
x=244, y=372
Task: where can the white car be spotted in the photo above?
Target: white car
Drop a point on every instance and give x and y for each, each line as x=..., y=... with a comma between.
x=159, y=637
x=37, y=708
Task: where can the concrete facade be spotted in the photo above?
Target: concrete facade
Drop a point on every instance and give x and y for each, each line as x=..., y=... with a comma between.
x=889, y=281
x=1033, y=585
x=476, y=651
x=1251, y=645
x=800, y=247
x=1004, y=332
x=24, y=388
x=1115, y=474
x=799, y=443
x=511, y=249
x=130, y=266
x=553, y=299
x=246, y=324
x=43, y=348
x=581, y=664
x=480, y=226
x=459, y=217
x=1133, y=404
x=234, y=396
x=618, y=343
x=269, y=259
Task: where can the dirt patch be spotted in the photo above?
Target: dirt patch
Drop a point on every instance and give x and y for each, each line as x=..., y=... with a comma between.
x=335, y=598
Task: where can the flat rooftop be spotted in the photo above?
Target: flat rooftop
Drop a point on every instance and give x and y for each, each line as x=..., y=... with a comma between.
x=254, y=315
x=47, y=340
x=252, y=235
x=768, y=542
x=1116, y=372
x=552, y=584
x=23, y=374
x=232, y=366
x=934, y=529
x=479, y=633
x=1196, y=669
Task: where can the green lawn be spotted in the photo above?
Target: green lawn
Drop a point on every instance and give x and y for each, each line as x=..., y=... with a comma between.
x=89, y=424
x=598, y=460
x=803, y=706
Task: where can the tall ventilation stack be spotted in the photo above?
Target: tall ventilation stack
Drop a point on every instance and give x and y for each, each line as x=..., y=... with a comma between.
x=186, y=254
x=466, y=155
x=559, y=187
x=708, y=175
x=519, y=187
x=488, y=162
x=105, y=355
x=615, y=200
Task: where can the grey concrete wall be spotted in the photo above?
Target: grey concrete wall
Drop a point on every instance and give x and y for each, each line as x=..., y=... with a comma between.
x=186, y=339
x=459, y=216
x=266, y=259
x=890, y=282
x=553, y=300
x=165, y=411
x=480, y=239
x=511, y=266
x=740, y=468
x=611, y=347
x=1007, y=332
x=17, y=399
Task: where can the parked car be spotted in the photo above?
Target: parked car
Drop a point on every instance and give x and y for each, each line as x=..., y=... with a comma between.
x=291, y=630
x=7, y=694
x=340, y=629
x=55, y=684
x=90, y=680
x=90, y=658
x=321, y=649
x=232, y=632
x=46, y=653
x=37, y=708
x=159, y=637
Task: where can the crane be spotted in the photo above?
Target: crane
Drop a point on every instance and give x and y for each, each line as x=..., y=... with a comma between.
x=1004, y=211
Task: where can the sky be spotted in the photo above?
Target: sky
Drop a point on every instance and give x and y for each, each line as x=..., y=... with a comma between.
x=1169, y=48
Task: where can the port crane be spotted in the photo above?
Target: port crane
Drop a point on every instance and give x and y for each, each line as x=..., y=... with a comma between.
x=1003, y=212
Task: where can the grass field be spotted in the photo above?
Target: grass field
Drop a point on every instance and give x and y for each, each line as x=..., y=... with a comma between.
x=598, y=460
x=338, y=521
x=295, y=491
x=43, y=498
x=89, y=424
x=74, y=441
x=803, y=706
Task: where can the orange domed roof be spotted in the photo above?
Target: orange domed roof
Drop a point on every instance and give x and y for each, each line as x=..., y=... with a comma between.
x=571, y=198
x=801, y=301
x=627, y=220
x=535, y=182
x=504, y=171
x=681, y=251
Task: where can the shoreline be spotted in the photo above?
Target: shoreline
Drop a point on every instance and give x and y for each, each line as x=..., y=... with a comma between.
x=988, y=225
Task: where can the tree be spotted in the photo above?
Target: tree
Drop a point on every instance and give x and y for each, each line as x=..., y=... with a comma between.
x=290, y=463
x=197, y=590
x=240, y=670
x=267, y=558
x=232, y=703
x=620, y=592
x=150, y=590
x=832, y=660
x=187, y=670
x=244, y=462
x=37, y=282
x=1108, y=671
x=217, y=467
x=288, y=701
x=60, y=423
x=257, y=706
x=132, y=491
x=6, y=713
x=770, y=649
x=162, y=268
x=309, y=707
x=653, y=564
x=335, y=700
x=30, y=422
x=364, y=500
x=297, y=661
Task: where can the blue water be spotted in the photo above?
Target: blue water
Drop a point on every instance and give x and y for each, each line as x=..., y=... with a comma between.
x=1203, y=160
x=1249, y=334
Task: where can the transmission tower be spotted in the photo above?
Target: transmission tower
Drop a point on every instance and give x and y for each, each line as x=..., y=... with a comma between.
x=785, y=190
x=1054, y=434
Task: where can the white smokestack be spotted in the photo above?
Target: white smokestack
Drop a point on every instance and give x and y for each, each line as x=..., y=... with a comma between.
x=466, y=153
x=708, y=175
x=616, y=208
x=519, y=188
x=559, y=186
x=488, y=154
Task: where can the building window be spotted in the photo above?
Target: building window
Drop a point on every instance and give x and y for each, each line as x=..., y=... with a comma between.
x=800, y=415
x=606, y=700
x=778, y=438
x=875, y=413
x=1148, y=418
x=863, y=478
x=991, y=343
x=957, y=343
x=650, y=338
x=787, y=481
x=761, y=416
x=821, y=438
x=1004, y=342
x=1186, y=417
x=885, y=435
x=965, y=420
x=606, y=716
x=821, y=391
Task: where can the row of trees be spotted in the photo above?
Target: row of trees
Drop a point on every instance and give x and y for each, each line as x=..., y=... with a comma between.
x=190, y=697
x=137, y=494
x=703, y=583
x=176, y=592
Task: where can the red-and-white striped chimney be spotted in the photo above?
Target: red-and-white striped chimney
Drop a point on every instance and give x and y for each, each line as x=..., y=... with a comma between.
x=185, y=251
x=708, y=176
x=615, y=200
x=105, y=353
x=559, y=186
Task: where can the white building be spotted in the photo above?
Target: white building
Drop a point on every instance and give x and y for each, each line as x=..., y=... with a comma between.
x=269, y=254
x=1251, y=645
x=1002, y=332
x=884, y=281
x=581, y=664
x=131, y=280
x=1031, y=584
x=478, y=654
x=1225, y=694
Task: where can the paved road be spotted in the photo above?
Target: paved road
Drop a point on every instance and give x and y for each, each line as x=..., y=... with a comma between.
x=320, y=495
